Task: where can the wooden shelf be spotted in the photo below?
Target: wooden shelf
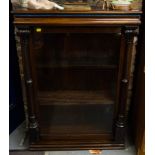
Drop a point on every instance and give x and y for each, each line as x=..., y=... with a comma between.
x=75, y=97
x=74, y=65
x=74, y=131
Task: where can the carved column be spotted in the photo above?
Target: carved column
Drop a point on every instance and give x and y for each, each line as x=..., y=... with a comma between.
x=24, y=33
x=21, y=69
x=128, y=34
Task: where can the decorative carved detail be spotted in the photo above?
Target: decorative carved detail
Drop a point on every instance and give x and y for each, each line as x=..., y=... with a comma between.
x=29, y=81
x=128, y=37
x=23, y=30
x=125, y=81
x=130, y=32
x=120, y=128
x=33, y=129
x=33, y=124
x=121, y=121
x=21, y=69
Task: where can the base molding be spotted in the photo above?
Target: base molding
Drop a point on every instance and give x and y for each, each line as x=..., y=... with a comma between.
x=61, y=146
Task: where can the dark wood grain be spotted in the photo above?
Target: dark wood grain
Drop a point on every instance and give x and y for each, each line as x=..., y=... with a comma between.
x=75, y=97
x=76, y=21
x=33, y=125
x=128, y=35
x=80, y=67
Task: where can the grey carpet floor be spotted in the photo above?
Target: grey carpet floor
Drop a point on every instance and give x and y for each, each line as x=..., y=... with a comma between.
x=26, y=153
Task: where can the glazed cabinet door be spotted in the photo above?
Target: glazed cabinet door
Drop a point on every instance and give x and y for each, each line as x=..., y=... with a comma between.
x=77, y=80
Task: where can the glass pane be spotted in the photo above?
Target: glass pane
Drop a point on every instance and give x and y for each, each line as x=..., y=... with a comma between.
x=76, y=61
x=77, y=119
x=64, y=50
x=76, y=76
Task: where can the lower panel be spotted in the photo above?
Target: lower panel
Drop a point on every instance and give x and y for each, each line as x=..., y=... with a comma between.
x=59, y=122
x=76, y=127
